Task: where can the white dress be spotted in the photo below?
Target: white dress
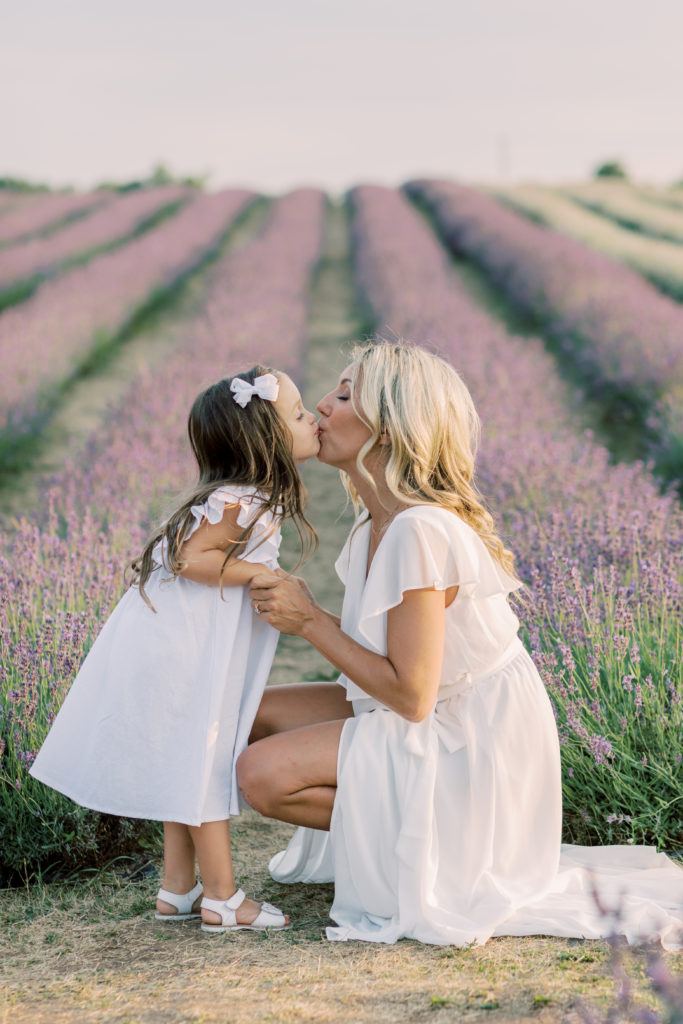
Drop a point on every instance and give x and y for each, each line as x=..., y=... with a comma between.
x=448, y=830
x=164, y=702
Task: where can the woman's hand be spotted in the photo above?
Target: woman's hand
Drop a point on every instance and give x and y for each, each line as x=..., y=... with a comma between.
x=283, y=601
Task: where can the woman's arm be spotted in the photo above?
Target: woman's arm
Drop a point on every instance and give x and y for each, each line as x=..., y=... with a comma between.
x=308, y=593
x=204, y=554
x=407, y=679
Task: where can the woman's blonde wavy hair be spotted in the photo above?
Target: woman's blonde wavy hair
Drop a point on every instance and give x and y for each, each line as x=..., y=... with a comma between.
x=423, y=407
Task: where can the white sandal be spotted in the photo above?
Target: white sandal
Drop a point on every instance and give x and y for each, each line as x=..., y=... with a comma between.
x=182, y=902
x=270, y=916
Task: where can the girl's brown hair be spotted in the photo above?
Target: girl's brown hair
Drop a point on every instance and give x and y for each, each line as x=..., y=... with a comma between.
x=232, y=445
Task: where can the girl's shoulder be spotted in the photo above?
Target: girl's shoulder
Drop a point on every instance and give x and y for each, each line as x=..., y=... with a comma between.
x=246, y=497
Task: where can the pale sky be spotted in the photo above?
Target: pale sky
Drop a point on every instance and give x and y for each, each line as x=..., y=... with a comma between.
x=278, y=94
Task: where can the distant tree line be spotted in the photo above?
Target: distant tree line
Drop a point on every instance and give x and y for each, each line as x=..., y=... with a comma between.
x=160, y=175
x=616, y=169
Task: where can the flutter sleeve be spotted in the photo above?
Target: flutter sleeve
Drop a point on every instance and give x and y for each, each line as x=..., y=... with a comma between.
x=263, y=543
x=426, y=547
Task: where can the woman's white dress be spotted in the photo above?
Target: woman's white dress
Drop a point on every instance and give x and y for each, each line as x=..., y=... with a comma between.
x=448, y=830
x=164, y=702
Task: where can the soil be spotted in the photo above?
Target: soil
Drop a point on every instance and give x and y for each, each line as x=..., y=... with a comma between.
x=334, y=324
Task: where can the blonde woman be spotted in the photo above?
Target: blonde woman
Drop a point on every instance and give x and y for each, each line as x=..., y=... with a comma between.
x=427, y=779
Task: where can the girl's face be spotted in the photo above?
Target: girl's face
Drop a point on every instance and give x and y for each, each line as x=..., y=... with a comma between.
x=299, y=421
x=342, y=434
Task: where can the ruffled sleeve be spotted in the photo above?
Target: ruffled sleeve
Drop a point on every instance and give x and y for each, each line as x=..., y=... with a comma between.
x=426, y=547
x=263, y=544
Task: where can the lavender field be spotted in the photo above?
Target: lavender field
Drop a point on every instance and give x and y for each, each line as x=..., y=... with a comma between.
x=599, y=542
x=621, y=336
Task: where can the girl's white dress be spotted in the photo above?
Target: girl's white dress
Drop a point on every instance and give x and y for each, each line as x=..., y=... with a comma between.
x=448, y=830
x=164, y=702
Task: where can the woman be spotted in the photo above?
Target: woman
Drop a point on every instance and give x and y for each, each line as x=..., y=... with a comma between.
x=435, y=764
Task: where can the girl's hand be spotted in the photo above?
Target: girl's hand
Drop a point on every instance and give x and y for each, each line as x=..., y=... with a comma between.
x=283, y=601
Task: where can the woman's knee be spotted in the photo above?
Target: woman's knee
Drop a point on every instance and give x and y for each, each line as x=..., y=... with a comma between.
x=256, y=778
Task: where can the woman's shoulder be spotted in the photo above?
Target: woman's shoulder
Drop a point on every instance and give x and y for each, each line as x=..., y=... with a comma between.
x=434, y=517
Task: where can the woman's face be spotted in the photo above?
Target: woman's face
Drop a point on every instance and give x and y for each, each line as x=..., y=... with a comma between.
x=342, y=434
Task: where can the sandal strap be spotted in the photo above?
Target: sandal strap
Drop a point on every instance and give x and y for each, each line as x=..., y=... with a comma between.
x=226, y=909
x=181, y=901
x=268, y=917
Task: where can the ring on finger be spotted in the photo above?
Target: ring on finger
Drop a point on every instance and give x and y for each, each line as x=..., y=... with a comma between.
x=257, y=608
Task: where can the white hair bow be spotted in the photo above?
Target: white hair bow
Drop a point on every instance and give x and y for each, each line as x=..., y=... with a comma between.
x=267, y=386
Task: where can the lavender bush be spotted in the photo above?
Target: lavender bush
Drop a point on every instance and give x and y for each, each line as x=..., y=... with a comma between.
x=61, y=574
x=45, y=212
x=113, y=222
x=604, y=571
x=43, y=341
x=621, y=334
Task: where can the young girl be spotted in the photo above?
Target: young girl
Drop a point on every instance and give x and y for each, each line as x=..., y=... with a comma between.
x=165, y=700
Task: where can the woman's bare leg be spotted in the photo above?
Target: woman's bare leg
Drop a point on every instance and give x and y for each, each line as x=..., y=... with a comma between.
x=292, y=775
x=294, y=705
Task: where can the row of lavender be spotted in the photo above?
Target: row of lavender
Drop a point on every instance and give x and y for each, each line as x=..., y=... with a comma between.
x=32, y=215
x=618, y=330
x=45, y=339
x=60, y=577
x=103, y=227
x=605, y=572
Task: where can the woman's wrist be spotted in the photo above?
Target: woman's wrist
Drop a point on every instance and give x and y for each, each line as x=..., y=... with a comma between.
x=313, y=617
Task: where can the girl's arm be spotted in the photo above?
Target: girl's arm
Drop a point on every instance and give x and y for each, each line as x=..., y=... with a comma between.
x=407, y=679
x=204, y=554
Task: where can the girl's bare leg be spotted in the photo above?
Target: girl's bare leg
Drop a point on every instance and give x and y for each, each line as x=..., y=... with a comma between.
x=212, y=845
x=283, y=708
x=179, y=870
x=292, y=775
x=294, y=705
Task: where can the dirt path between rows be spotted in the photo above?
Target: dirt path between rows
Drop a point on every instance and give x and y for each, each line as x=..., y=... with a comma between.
x=84, y=407
x=333, y=324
